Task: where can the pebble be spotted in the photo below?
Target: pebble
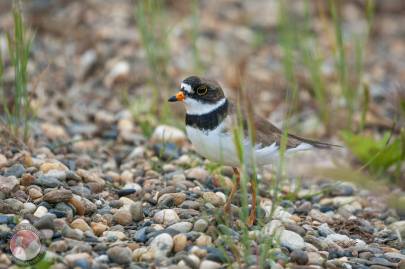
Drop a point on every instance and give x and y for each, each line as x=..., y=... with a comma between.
x=166, y=216
x=315, y=258
x=136, y=210
x=80, y=224
x=45, y=222
x=123, y=217
x=165, y=133
x=72, y=233
x=324, y=230
x=398, y=226
x=203, y=240
x=291, y=240
x=35, y=193
x=98, y=228
x=207, y=264
x=59, y=246
x=162, y=245
x=48, y=166
x=181, y=227
x=78, y=205
x=40, y=212
x=299, y=257
x=120, y=255
x=71, y=259
x=3, y=161
x=319, y=216
x=200, y=225
x=56, y=196
x=179, y=242
x=197, y=173
x=8, y=184
x=172, y=198
x=17, y=170
x=340, y=239
x=213, y=198
x=48, y=182
x=115, y=234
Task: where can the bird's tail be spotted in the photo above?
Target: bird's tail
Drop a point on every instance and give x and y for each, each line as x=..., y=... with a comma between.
x=316, y=144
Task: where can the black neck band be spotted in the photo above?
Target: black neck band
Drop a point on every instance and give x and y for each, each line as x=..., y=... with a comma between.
x=210, y=120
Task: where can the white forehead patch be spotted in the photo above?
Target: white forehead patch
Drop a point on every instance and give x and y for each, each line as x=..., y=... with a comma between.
x=186, y=87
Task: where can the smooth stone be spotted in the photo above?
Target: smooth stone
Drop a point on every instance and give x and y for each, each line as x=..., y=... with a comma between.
x=203, y=240
x=213, y=198
x=59, y=246
x=197, y=173
x=182, y=227
x=80, y=224
x=45, y=222
x=10, y=206
x=273, y=227
x=166, y=216
x=48, y=182
x=61, y=175
x=398, y=226
x=56, y=196
x=166, y=133
x=8, y=184
x=179, y=242
x=162, y=245
x=207, y=264
x=118, y=235
x=200, y=225
x=17, y=170
x=125, y=192
x=41, y=211
x=72, y=233
x=299, y=257
x=123, y=217
x=98, y=228
x=319, y=216
x=35, y=193
x=315, y=258
x=324, y=230
x=136, y=210
x=172, y=198
x=29, y=207
x=141, y=235
x=340, y=239
x=291, y=240
x=71, y=259
x=120, y=255
x=48, y=166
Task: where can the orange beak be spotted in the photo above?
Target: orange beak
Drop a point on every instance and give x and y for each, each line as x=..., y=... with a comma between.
x=178, y=97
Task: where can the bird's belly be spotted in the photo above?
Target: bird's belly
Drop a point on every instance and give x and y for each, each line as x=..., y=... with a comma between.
x=214, y=145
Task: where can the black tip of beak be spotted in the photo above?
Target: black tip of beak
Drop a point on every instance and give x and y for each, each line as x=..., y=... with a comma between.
x=172, y=99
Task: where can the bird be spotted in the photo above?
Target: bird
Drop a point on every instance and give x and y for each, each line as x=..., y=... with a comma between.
x=210, y=120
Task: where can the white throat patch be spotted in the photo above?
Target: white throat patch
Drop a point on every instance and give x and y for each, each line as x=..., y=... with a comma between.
x=194, y=107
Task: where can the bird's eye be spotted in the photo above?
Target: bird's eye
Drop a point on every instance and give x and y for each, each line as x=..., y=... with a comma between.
x=202, y=90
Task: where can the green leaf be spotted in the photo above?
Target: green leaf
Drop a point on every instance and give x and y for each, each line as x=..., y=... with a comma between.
x=376, y=154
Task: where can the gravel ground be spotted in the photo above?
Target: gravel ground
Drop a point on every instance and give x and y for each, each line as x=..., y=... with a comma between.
x=104, y=194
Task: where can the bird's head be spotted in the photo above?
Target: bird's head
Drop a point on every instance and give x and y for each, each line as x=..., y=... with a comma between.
x=199, y=95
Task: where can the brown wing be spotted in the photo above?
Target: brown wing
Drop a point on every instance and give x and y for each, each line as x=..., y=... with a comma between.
x=265, y=133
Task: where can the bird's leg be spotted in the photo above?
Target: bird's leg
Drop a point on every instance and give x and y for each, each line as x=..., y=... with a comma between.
x=253, y=188
x=234, y=189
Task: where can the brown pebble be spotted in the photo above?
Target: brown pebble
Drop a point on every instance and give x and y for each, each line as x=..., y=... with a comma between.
x=80, y=209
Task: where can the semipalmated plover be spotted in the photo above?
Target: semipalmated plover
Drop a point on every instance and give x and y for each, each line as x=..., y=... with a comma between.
x=210, y=120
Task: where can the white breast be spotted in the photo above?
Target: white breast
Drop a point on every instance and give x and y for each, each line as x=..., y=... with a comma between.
x=218, y=146
x=215, y=145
